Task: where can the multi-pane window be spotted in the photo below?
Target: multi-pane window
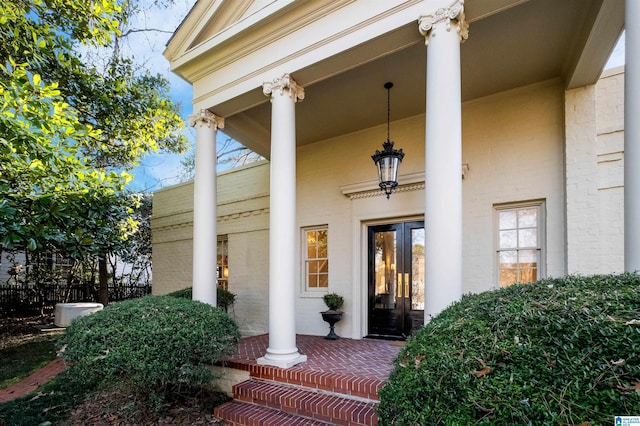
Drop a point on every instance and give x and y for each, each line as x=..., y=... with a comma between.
x=519, y=243
x=316, y=258
x=222, y=263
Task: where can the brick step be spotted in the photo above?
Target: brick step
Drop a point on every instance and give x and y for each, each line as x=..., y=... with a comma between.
x=347, y=384
x=308, y=403
x=236, y=413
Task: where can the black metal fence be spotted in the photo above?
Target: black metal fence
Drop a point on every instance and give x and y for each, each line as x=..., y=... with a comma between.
x=16, y=300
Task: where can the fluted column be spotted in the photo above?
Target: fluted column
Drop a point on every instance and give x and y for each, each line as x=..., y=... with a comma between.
x=632, y=137
x=204, y=206
x=443, y=29
x=282, y=351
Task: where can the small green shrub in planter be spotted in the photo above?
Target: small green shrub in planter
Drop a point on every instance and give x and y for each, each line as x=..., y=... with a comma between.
x=224, y=298
x=333, y=301
x=556, y=352
x=157, y=345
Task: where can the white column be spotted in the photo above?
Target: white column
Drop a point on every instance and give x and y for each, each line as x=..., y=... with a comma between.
x=282, y=351
x=443, y=29
x=204, y=207
x=632, y=137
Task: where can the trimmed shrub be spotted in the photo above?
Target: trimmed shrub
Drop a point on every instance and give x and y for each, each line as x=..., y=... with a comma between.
x=333, y=301
x=558, y=352
x=224, y=298
x=157, y=345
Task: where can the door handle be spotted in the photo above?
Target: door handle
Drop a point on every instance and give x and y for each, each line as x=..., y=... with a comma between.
x=406, y=284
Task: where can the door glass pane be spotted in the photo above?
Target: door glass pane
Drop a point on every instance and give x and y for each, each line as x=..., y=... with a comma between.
x=417, y=269
x=385, y=269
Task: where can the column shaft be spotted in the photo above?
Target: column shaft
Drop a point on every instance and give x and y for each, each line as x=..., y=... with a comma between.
x=282, y=351
x=632, y=138
x=443, y=158
x=204, y=207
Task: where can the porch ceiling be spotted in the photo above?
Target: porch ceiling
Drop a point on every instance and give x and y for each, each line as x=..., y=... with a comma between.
x=533, y=41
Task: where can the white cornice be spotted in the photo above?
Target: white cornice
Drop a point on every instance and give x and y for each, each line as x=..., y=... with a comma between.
x=408, y=182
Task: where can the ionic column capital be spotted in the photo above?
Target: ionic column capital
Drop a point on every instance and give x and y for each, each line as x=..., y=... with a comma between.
x=206, y=117
x=284, y=85
x=455, y=13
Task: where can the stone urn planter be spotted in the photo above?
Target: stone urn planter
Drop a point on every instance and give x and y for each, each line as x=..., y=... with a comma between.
x=334, y=302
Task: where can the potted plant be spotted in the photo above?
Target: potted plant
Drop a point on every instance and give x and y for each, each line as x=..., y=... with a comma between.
x=334, y=302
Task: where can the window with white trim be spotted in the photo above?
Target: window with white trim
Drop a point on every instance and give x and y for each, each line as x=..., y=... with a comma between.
x=222, y=262
x=316, y=258
x=520, y=242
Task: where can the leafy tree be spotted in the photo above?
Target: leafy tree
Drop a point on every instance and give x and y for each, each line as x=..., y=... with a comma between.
x=68, y=130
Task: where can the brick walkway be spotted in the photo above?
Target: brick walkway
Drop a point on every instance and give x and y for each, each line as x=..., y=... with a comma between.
x=33, y=382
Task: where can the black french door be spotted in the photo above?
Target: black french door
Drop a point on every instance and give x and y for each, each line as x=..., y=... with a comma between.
x=396, y=278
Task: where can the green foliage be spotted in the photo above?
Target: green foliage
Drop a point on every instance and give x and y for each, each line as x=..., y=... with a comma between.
x=51, y=196
x=224, y=298
x=18, y=361
x=158, y=345
x=55, y=401
x=560, y=351
x=333, y=301
x=68, y=130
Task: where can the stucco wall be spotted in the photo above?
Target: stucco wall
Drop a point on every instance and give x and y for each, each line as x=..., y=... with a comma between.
x=514, y=146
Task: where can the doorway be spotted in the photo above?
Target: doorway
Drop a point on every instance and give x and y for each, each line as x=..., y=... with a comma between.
x=396, y=279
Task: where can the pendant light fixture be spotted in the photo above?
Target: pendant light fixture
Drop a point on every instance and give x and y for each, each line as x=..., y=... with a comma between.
x=388, y=159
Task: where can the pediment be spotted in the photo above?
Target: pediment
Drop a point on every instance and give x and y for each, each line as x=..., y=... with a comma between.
x=209, y=18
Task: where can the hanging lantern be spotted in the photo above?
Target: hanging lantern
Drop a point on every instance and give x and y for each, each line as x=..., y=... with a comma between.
x=388, y=159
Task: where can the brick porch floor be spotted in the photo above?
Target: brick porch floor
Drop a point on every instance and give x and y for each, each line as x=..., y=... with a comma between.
x=365, y=358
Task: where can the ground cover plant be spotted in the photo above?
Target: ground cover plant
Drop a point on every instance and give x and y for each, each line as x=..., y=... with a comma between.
x=159, y=346
x=558, y=352
x=51, y=403
x=23, y=349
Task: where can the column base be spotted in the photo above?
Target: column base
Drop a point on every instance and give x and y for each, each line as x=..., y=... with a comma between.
x=282, y=360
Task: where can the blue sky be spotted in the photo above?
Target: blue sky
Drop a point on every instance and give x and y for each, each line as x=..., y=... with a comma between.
x=160, y=170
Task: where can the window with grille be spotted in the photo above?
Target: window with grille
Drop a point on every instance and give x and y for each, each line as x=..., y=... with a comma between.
x=316, y=258
x=222, y=263
x=520, y=245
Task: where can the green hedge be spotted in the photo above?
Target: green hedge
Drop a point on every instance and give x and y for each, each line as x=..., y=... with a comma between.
x=558, y=352
x=224, y=298
x=157, y=345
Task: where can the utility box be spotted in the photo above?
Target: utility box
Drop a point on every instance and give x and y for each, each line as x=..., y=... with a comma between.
x=65, y=312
